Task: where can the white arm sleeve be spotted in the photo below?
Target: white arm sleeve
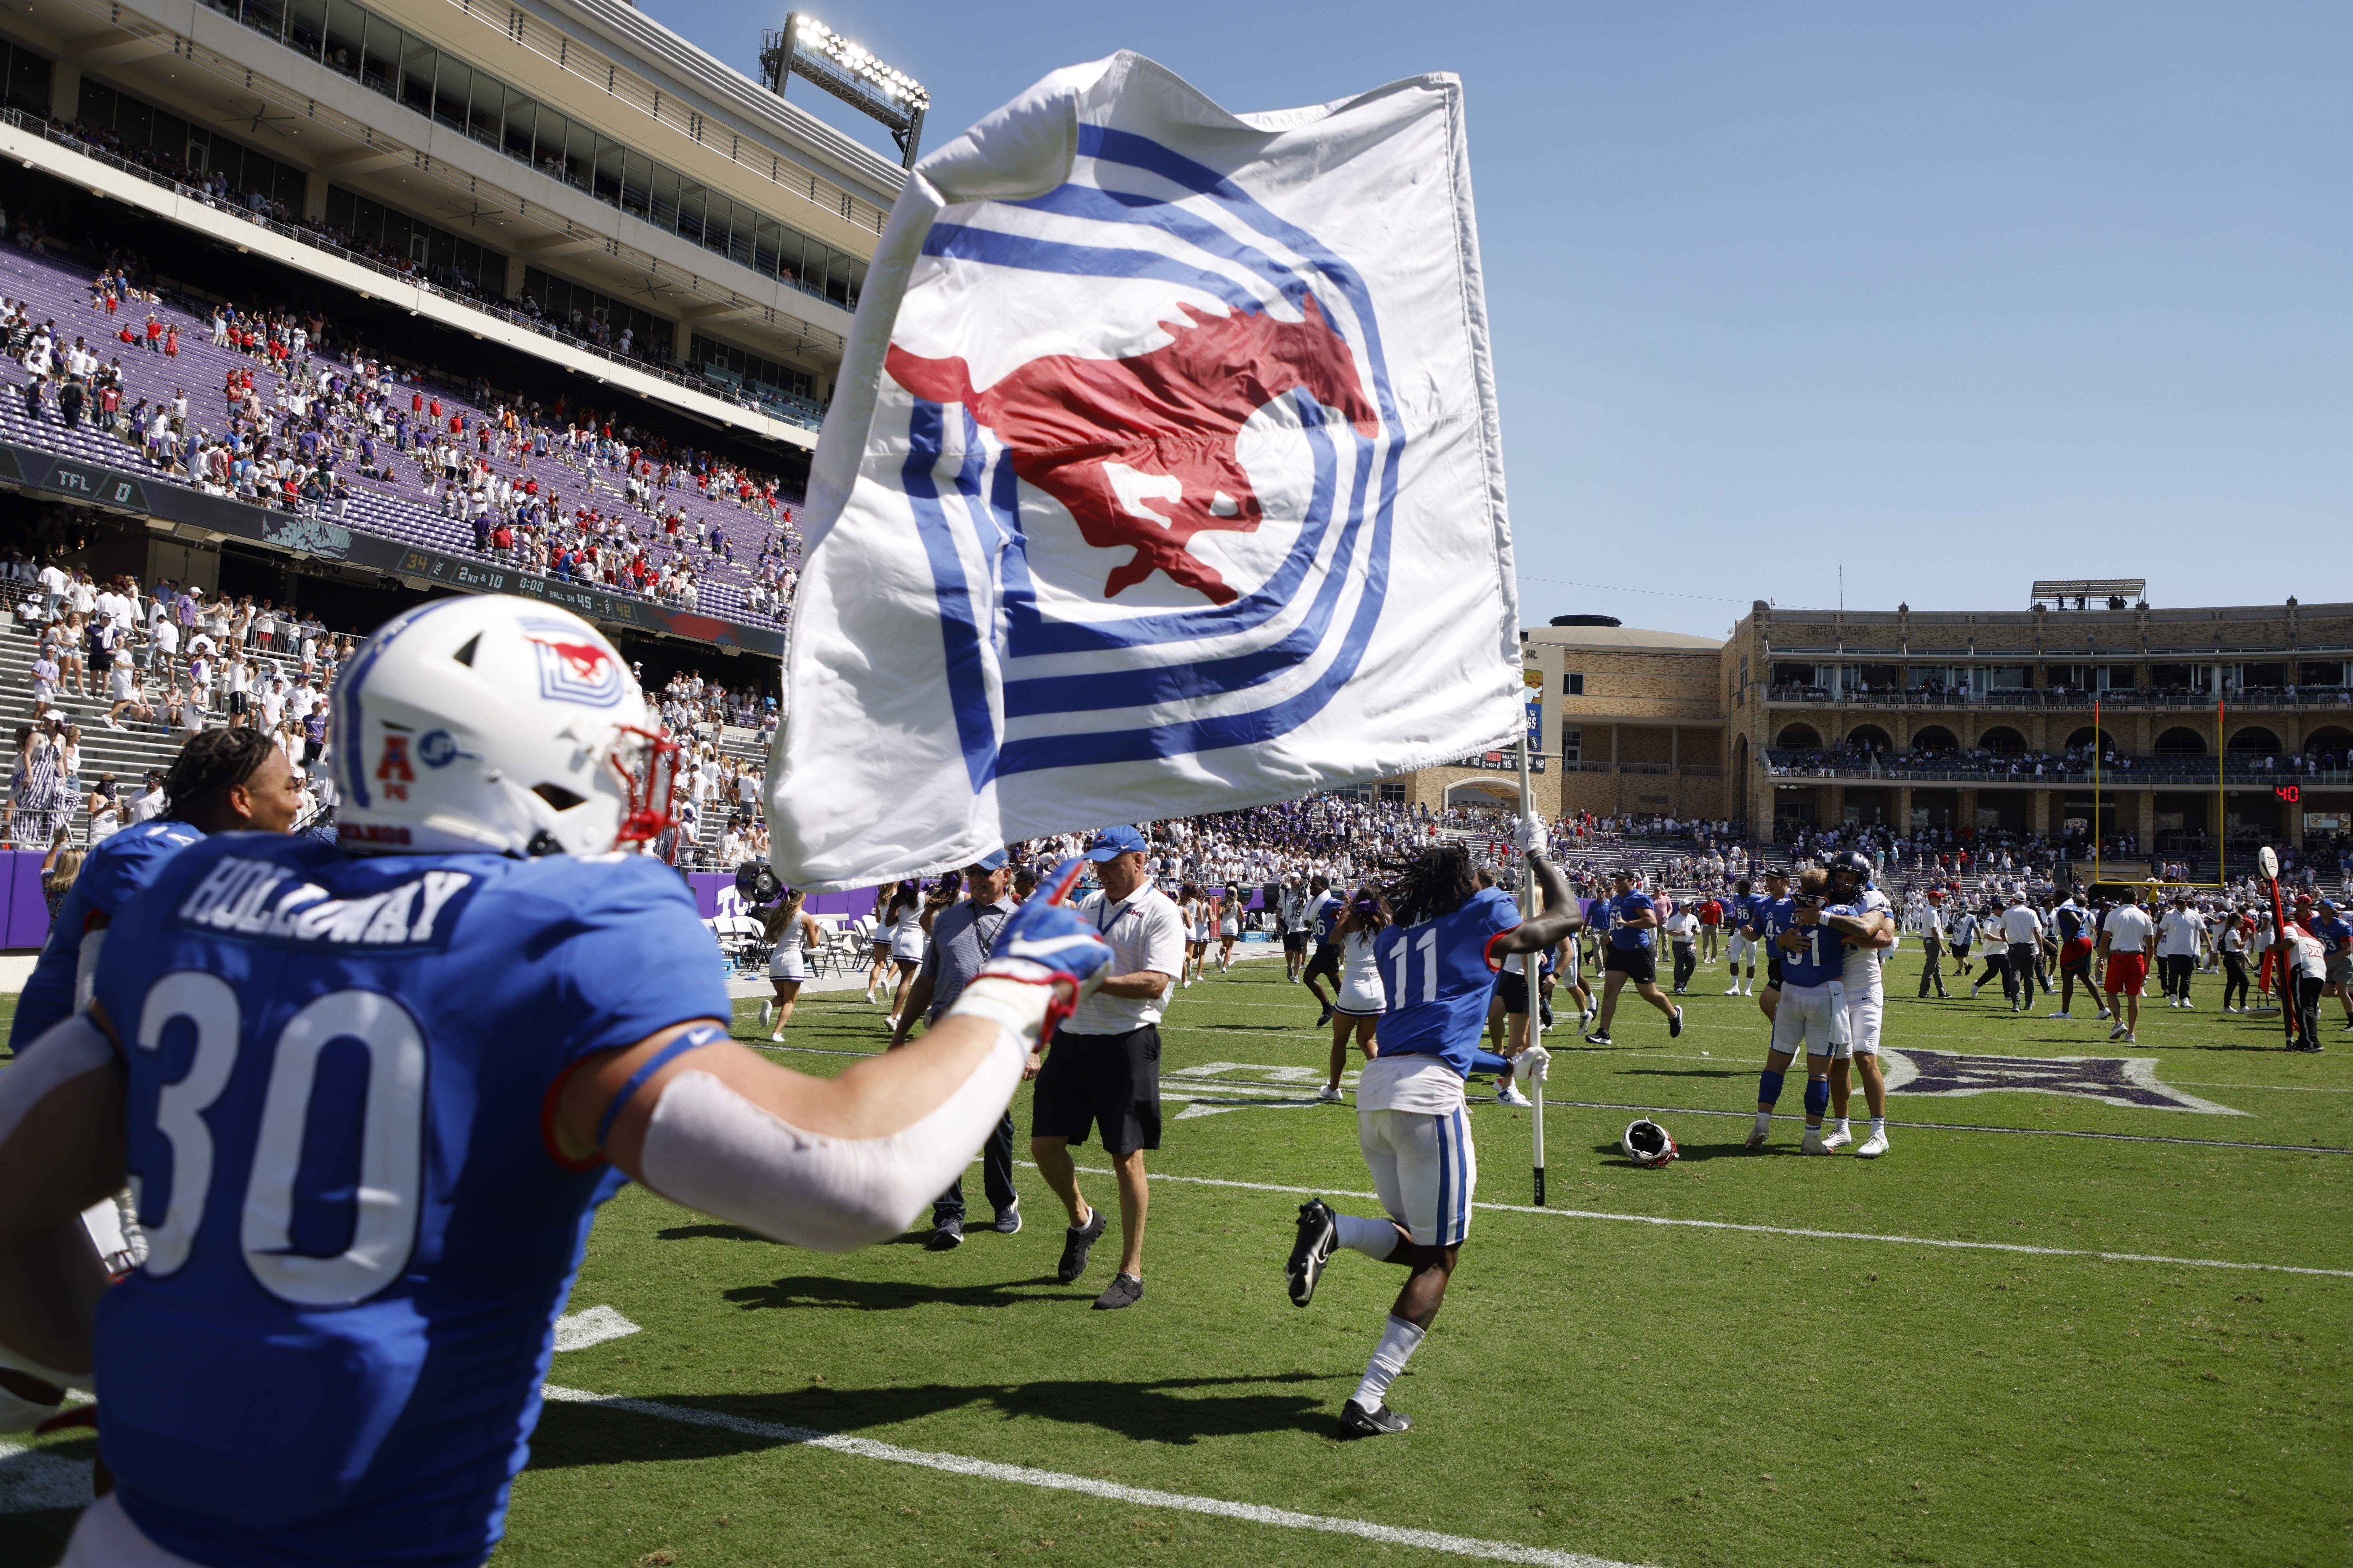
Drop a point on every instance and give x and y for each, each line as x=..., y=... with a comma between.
x=710, y=1149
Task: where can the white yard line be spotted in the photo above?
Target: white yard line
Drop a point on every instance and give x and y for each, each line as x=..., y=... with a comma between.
x=1110, y=1492
x=1776, y=1229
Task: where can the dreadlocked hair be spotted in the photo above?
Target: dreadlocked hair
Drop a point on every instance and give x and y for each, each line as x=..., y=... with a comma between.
x=212, y=762
x=1435, y=882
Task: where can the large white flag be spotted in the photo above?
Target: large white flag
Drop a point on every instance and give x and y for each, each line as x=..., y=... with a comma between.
x=1163, y=476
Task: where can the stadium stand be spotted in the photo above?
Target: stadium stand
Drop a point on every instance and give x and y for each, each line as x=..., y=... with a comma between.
x=699, y=532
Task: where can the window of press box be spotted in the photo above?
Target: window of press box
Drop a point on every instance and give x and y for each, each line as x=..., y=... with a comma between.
x=25, y=79
x=1572, y=685
x=764, y=373
x=373, y=227
x=573, y=306
x=1572, y=745
x=378, y=55
x=185, y=151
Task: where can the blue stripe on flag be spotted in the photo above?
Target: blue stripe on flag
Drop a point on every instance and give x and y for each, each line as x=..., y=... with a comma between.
x=1210, y=677
x=960, y=242
x=960, y=634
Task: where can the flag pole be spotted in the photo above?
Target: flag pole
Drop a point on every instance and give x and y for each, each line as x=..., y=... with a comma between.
x=1533, y=965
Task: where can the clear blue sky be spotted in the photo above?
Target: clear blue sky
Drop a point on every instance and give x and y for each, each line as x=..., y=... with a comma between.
x=1959, y=296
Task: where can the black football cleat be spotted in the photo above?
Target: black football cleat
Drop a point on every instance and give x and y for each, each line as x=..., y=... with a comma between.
x=1319, y=1234
x=1356, y=1421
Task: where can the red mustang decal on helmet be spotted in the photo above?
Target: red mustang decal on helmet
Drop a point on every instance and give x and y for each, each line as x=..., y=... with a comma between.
x=1142, y=449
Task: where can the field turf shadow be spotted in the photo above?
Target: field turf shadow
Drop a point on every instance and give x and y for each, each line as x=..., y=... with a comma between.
x=1160, y=1411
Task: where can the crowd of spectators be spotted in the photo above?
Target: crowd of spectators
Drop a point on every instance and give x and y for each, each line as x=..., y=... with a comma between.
x=294, y=423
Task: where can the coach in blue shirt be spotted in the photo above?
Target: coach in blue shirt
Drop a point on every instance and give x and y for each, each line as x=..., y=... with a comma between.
x=1629, y=955
x=961, y=937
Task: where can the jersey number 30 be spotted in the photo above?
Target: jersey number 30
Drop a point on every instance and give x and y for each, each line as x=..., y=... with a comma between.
x=392, y=1140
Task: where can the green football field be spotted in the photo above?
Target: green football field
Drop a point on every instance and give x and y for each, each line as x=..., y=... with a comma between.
x=2086, y=1311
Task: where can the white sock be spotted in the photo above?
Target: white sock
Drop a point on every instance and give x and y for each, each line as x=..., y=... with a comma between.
x=1375, y=1239
x=1842, y=1125
x=1764, y=1122
x=1879, y=1127
x=1398, y=1339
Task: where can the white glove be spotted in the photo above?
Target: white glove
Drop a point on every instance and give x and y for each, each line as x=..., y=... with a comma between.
x=1529, y=835
x=1532, y=1064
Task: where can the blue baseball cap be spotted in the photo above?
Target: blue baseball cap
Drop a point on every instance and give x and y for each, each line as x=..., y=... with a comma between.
x=1113, y=842
x=992, y=861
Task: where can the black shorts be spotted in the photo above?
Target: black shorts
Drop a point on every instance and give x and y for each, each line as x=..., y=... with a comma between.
x=1294, y=942
x=1111, y=1082
x=1513, y=991
x=1326, y=959
x=236, y=701
x=1639, y=964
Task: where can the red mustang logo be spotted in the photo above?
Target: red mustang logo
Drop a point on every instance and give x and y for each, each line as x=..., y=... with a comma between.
x=583, y=660
x=1142, y=451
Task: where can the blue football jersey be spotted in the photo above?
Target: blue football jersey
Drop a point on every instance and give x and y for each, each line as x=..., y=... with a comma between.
x=1626, y=906
x=1772, y=917
x=1823, y=958
x=1439, y=979
x=121, y=864
x=358, y=1239
x=1326, y=914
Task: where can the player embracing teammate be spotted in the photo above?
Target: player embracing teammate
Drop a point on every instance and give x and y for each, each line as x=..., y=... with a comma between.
x=1825, y=993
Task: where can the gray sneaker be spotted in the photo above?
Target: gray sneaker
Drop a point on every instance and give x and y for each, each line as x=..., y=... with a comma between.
x=1125, y=1291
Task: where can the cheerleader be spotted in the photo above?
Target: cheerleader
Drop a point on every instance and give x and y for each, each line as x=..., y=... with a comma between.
x=1197, y=912
x=796, y=935
x=1362, y=999
x=1230, y=927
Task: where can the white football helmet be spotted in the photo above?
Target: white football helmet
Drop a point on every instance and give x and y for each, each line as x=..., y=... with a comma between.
x=493, y=723
x=1648, y=1143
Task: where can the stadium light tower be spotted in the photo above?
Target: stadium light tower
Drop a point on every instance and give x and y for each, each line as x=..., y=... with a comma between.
x=815, y=52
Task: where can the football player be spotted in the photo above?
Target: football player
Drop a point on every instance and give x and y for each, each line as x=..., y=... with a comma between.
x=1770, y=913
x=1324, y=911
x=2072, y=924
x=223, y=781
x=1866, y=1001
x=1439, y=959
x=373, y=1094
x=1812, y=1012
x=1738, y=946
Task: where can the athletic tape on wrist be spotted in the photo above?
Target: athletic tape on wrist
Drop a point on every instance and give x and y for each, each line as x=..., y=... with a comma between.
x=1020, y=1006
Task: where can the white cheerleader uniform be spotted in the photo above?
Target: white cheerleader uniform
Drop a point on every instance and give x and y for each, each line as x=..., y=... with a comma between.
x=1197, y=921
x=787, y=962
x=1361, y=992
x=907, y=936
x=1230, y=923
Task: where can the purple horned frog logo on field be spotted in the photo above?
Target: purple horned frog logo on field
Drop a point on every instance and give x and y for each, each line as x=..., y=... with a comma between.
x=2127, y=1082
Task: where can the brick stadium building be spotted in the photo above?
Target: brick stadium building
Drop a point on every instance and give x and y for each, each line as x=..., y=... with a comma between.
x=1949, y=719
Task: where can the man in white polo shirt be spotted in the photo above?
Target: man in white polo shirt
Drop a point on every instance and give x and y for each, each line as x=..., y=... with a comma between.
x=1103, y=1069
x=2126, y=938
